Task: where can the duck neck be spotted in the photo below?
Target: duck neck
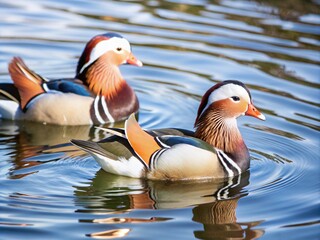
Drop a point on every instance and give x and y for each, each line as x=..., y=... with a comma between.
x=223, y=133
x=103, y=78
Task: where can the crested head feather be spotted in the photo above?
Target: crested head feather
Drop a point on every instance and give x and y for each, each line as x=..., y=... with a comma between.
x=98, y=46
x=220, y=91
x=98, y=65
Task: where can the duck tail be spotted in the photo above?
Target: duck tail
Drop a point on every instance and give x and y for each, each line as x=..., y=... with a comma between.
x=28, y=83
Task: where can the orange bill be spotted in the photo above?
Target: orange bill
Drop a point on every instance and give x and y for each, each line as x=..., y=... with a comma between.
x=253, y=112
x=141, y=142
x=134, y=61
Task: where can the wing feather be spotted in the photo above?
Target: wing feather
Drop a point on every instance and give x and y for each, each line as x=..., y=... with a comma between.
x=170, y=141
x=68, y=86
x=143, y=143
x=93, y=148
x=9, y=92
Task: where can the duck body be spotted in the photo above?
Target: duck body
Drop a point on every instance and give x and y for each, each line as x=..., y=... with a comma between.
x=98, y=94
x=215, y=150
x=173, y=160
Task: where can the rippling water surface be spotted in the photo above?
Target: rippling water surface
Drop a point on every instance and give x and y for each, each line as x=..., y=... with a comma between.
x=51, y=190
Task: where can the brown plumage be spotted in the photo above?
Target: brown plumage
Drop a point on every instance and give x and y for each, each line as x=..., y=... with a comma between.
x=212, y=128
x=216, y=151
x=136, y=135
x=27, y=82
x=110, y=79
x=98, y=94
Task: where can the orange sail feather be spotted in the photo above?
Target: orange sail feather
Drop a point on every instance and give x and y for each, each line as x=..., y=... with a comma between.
x=142, y=143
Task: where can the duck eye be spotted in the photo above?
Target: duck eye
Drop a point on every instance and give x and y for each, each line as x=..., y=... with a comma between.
x=119, y=49
x=235, y=98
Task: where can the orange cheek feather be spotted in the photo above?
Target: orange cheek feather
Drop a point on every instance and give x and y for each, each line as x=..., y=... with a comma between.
x=230, y=108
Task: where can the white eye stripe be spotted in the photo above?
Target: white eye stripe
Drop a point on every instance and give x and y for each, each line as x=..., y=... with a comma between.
x=106, y=45
x=227, y=91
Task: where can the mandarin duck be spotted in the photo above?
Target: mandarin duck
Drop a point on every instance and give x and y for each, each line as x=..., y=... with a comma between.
x=98, y=94
x=215, y=150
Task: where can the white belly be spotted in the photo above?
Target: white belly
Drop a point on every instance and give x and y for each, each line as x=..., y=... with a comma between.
x=184, y=161
x=58, y=108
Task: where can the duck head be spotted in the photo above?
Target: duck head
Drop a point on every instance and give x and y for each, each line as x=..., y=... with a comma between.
x=230, y=99
x=99, y=63
x=216, y=121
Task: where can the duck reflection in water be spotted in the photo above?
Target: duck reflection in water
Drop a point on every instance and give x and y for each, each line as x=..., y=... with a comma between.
x=30, y=140
x=219, y=217
x=214, y=202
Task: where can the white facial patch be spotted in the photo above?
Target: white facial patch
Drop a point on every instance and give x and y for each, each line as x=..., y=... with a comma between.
x=104, y=46
x=227, y=91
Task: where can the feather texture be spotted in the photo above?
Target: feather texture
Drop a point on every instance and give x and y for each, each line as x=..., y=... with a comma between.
x=215, y=150
x=26, y=81
x=101, y=95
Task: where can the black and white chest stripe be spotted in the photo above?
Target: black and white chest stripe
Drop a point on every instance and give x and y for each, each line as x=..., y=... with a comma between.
x=230, y=167
x=156, y=155
x=99, y=111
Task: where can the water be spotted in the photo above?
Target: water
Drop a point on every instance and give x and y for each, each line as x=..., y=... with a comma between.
x=51, y=190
